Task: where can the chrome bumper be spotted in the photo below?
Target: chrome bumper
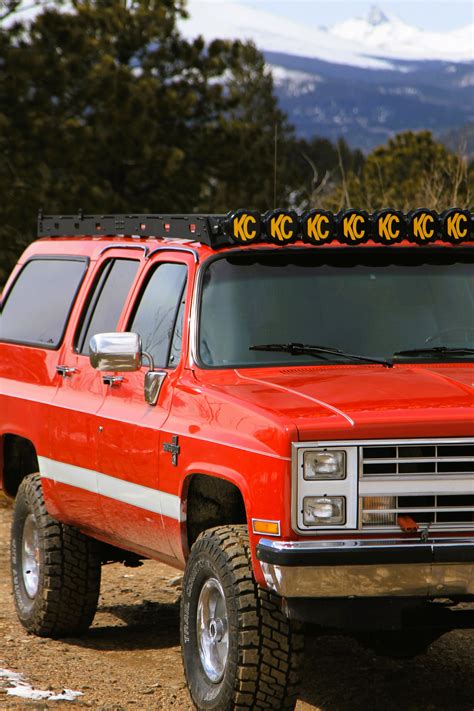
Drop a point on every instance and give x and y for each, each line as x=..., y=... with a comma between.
x=369, y=568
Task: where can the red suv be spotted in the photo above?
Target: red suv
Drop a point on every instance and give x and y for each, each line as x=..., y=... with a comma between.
x=282, y=406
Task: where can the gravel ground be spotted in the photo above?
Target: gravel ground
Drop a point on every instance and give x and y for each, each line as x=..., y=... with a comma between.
x=130, y=659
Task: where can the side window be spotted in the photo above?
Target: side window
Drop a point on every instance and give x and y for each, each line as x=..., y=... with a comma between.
x=38, y=305
x=106, y=300
x=158, y=314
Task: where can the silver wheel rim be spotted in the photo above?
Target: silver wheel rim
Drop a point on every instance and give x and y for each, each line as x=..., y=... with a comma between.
x=213, y=630
x=30, y=557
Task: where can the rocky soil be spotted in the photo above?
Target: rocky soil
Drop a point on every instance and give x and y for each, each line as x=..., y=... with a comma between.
x=130, y=659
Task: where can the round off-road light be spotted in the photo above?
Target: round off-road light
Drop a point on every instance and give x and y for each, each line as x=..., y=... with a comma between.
x=353, y=226
x=243, y=226
x=456, y=226
x=281, y=226
x=317, y=227
x=422, y=226
x=389, y=226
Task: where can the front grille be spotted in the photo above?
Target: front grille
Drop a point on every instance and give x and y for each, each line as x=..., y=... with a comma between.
x=445, y=509
x=426, y=482
x=418, y=460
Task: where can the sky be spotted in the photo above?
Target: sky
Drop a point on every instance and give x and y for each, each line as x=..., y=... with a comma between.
x=426, y=14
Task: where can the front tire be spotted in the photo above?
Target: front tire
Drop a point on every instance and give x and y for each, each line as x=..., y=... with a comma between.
x=55, y=568
x=239, y=649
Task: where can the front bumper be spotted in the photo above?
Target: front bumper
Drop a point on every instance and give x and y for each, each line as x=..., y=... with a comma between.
x=369, y=568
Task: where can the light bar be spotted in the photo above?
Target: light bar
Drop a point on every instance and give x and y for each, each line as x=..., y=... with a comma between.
x=421, y=226
x=280, y=226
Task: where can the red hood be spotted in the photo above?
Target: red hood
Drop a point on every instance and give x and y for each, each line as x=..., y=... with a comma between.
x=359, y=400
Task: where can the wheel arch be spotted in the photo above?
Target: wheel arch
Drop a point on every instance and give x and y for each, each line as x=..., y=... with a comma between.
x=18, y=458
x=212, y=499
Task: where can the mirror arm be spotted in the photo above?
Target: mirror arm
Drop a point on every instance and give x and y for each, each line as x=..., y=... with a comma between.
x=151, y=362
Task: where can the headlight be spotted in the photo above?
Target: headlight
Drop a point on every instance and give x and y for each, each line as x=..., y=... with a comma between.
x=324, y=465
x=324, y=510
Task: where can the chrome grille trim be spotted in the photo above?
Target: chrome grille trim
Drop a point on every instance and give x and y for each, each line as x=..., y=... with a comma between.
x=437, y=513
x=421, y=476
x=417, y=458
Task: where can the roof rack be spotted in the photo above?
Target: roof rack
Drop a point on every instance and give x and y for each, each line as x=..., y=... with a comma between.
x=421, y=226
x=202, y=228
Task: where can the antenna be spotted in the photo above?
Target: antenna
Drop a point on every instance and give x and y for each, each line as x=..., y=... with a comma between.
x=275, y=163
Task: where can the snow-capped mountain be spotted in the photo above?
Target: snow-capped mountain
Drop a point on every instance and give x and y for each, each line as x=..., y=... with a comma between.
x=364, y=79
x=369, y=42
x=228, y=20
x=384, y=34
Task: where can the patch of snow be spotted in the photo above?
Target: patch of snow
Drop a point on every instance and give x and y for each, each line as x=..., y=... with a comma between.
x=400, y=91
x=467, y=80
x=19, y=687
x=294, y=83
x=283, y=74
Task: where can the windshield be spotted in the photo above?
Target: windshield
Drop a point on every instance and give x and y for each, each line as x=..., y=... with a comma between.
x=371, y=304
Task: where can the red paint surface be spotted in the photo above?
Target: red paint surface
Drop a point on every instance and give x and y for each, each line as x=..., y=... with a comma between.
x=234, y=424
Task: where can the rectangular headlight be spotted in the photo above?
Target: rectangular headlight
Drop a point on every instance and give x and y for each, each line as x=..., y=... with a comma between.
x=324, y=510
x=324, y=464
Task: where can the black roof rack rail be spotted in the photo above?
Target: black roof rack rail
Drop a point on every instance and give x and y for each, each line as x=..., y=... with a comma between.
x=201, y=228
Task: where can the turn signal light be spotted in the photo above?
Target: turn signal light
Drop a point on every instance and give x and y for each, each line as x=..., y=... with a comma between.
x=375, y=513
x=271, y=528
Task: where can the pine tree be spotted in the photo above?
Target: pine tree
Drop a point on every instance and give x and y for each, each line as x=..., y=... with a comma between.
x=411, y=170
x=106, y=107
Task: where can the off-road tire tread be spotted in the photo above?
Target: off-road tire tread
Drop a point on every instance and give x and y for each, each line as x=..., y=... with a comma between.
x=72, y=571
x=270, y=646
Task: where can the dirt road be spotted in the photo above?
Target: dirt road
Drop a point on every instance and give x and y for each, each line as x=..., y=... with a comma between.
x=130, y=660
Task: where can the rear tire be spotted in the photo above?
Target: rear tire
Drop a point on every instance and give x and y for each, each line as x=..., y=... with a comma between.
x=55, y=568
x=239, y=650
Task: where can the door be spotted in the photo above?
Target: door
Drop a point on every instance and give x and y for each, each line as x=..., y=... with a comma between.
x=74, y=424
x=129, y=443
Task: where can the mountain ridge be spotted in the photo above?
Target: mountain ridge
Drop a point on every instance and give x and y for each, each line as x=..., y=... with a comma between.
x=346, y=80
x=371, y=42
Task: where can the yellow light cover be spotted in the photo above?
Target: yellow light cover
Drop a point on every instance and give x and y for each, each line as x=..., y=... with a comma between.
x=281, y=226
x=456, y=225
x=243, y=226
x=317, y=226
x=354, y=226
x=423, y=226
x=272, y=528
x=389, y=226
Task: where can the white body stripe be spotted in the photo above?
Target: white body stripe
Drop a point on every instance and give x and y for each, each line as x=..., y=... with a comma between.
x=127, y=492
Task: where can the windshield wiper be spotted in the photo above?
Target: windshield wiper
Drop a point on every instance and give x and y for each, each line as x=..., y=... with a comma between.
x=435, y=350
x=316, y=351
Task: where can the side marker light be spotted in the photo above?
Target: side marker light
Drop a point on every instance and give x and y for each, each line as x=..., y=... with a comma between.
x=271, y=528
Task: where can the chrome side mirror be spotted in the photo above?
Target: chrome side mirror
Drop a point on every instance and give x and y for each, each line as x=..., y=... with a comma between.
x=117, y=352
x=122, y=353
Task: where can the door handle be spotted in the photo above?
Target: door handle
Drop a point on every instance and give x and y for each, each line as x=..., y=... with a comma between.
x=112, y=380
x=65, y=371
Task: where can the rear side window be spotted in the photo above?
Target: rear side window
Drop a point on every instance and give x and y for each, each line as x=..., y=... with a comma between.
x=158, y=316
x=106, y=301
x=38, y=305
